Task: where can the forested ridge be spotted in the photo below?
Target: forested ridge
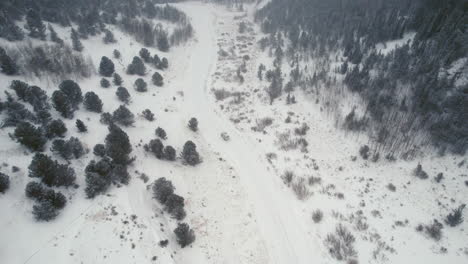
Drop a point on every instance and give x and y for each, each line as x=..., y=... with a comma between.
x=415, y=95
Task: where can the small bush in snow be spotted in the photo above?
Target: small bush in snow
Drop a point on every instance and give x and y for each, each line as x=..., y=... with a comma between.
x=136, y=67
x=106, y=118
x=391, y=187
x=300, y=189
x=140, y=85
x=4, y=182
x=109, y=37
x=420, y=173
x=341, y=243
x=145, y=55
x=105, y=83
x=117, y=80
x=364, y=152
x=44, y=211
x=434, y=230
x=455, y=217
x=157, y=79
x=185, y=235
x=302, y=131
x=116, y=54
x=51, y=172
x=69, y=149
x=314, y=180
x=288, y=177
x=81, y=126
x=148, y=115
x=317, y=216
x=56, y=128
x=193, y=124
x=439, y=177
x=190, y=154
x=123, y=95
x=162, y=189
x=156, y=147
x=174, y=205
x=161, y=133
x=169, y=153
x=123, y=116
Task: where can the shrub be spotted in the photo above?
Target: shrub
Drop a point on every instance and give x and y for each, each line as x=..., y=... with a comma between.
x=317, y=216
x=98, y=177
x=391, y=187
x=106, y=118
x=156, y=147
x=109, y=37
x=185, y=235
x=140, y=85
x=92, y=102
x=300, y=189
x=434, y=230
x=148, y=115
x=193, y=124
x=4, y=182
x=30, y=136
x=120, y=174
x=116, y=54
x=341, y=243
x=175, y=206
x=302, y=131
x=123, y=95
x=62, y=104
x=157, y=79
x=117, y=80
x=439, y=177
x=105, y=83
x=364, y=152
x=145, y=55
x=455, y=217
x=169, y=153
x=161, y=133
x=106, y=67
x=44, y=211
x=123, y=116
x=35, y=190
x=420, y=173
x=288, y=177
x=56, y=128
x=99, y=150
x=162, y=189
x=190, y=154
x=81, y=126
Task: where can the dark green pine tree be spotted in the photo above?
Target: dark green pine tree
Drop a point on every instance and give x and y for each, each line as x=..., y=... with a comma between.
x=106, y=67
x=118, y=146
x=76, y=43
x=7, y=65
x=35, y=25
x=54, y=37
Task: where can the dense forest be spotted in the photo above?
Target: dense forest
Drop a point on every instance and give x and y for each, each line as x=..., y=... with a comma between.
x=415, y=95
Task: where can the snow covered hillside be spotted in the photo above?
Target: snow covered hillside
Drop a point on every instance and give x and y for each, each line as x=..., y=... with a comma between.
x=276, y=182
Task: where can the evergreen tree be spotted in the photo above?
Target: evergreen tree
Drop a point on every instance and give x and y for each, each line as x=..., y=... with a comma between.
x=161, y=133
x=54, y=36
x=117, y=79
x=148, y=115
x=193, y=124
x=145, y=55
x=162, y=189
x=51, y=172
x=98, y=177
x=163, y=42
x=123, y=116
x=116, y=54
x=62, y=104
x=44, y=211
x=99, y=150
x=185, y=235
x=156, y=147
x=81, y=126
x=106, y=67
x=73, y=92
x=118, y=146
x=92, y=102
x=169, y=153
x=164, y=64
x=123, y=95
x=141, y=85
x=105, y=83
x=157, y=79
x=30, y=136
x=4, y=182
x=7, y=65
x=56, y=128
x=136, y=67
x=190, y=154
x=34, y=23
x=109, y=37
x=69, y=149
x=76, y=43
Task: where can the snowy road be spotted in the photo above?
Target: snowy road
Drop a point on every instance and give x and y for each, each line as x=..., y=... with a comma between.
x=282, y=229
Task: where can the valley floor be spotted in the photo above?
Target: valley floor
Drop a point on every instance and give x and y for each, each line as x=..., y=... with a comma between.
x=240, y=207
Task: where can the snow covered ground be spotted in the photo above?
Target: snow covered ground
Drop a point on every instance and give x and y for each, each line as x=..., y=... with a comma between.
x=236, y=199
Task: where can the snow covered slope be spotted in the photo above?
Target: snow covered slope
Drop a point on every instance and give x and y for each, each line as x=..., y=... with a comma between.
x=236, y=199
